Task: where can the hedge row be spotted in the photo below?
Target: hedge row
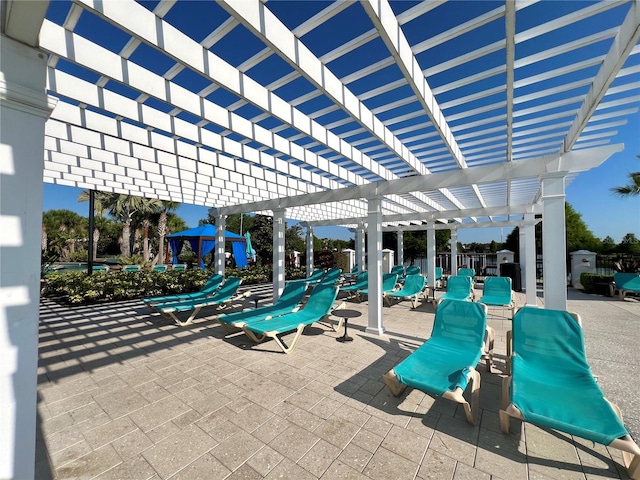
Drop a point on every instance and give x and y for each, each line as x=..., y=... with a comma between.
x=75, y=288
x=596, y=283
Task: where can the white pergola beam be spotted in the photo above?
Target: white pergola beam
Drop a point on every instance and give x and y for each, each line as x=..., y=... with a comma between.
x=572, y=162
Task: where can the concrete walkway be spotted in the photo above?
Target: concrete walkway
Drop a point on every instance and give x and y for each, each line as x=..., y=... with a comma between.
x=125, y=394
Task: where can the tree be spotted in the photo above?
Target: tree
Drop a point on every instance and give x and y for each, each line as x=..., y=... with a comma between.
x=608, y=245
x=147, y=207
x=167, y=207
x=61, y=229
x=632, y=188
x=123, y=208
x=629, y=244
x=262, y=238
x=579, y=237
x=293, y=239
x=100, y=202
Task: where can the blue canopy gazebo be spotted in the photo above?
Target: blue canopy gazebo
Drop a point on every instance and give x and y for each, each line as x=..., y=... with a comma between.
x=203, y=240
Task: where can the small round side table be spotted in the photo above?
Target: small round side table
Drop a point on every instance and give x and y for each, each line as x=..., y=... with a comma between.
x=346, y=314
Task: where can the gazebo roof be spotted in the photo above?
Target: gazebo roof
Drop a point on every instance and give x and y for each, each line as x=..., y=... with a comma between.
x=447, y=110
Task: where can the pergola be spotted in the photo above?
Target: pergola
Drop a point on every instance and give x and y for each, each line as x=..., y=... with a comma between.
x=369, y=114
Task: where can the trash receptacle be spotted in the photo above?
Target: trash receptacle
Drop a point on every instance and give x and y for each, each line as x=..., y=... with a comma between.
x=512, y=270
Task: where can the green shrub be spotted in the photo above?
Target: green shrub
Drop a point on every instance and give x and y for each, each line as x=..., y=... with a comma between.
x=596, y=283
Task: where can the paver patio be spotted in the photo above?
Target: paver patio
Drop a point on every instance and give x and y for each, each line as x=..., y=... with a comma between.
x=124, y=393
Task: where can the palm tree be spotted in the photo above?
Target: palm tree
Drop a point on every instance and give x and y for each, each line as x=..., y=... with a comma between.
x=167, y=207
x=123, y=208
x=100, y=206
x=149, y=207
x=632, y=189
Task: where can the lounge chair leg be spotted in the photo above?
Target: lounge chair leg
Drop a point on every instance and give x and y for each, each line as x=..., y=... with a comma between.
x=488, y=346
x=283, y=345
x=472, y=416
x=631, y=460
x=391, y=380
x=506, y=385
x=504, y=422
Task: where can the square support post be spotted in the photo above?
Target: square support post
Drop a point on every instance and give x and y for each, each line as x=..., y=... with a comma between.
x=278, y=252
x=530, y=282
x=375, y=266
x=309, y=250
x=360, y=248
x=220, y=259
x=431, y=258
x=400, y=255
x=454, y=251
x=554, y=245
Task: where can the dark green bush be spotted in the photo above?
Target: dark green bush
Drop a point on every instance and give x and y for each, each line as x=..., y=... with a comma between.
x=79, y=288
x=596, y=283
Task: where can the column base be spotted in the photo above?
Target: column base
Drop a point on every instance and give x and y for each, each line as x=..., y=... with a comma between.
x=375, y=330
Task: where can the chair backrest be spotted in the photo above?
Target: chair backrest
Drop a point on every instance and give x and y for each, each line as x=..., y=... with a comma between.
x=397, y=269
x=355, y=268
x=212, y=283
x=315, y=276
x=292, y=294
x=100, y=268
x=389, y=281
x=630, y=281
x=549, y=340
x=459, y=285
x=460, y=324
x=179, y=266
x=497, y=286
x=320, y=301
x=159, y=268
x=438, y=273
x=467, y=272
x=332, y=276
x=363, y=279
x=414, y=284
x=131, y=268
x=228, y=288
x=413, y=270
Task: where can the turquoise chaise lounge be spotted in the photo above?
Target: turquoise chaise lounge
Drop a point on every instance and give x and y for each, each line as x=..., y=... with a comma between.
x=551, y=384
x=362, y=281
x=413, y=287
x=458, y=288
x=210, y=286
x=389, y=281
x=318, y=306
x=221, y=298
x=497, y=292
x=625, y=283
x=446, y=362
x=288, y=302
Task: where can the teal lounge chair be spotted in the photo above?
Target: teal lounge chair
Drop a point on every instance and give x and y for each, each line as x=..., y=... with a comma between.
x=398, y=270
x=210, y=286
x=179, y=267
x=468, y=272
x=331, y=277
x=288, y=302
x=413, y=287
x=551, y=384
x=458, y=288
x=312, y=279
x=318, y=306
x=159, y=268
x=624, y=283
x=100, y=268
x=497, y=292
x=131, y=268
x=361, y=282
x=389, y=282
x=221, y=298
x=446, y=362
x=412, y=270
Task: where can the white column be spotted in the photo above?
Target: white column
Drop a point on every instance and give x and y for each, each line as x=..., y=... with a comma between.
x=530, y=281
x=360, y=248
x=431, y=257
x=374, y=229
x=309, y=250
x=24, y=108
x=522, y=242
x=220, y=259
x=554, y=242
x=278, y=252
x=400, y=256
x=454, y=251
